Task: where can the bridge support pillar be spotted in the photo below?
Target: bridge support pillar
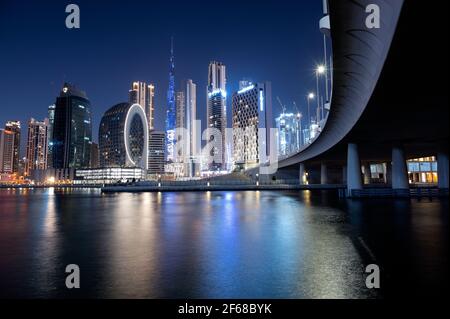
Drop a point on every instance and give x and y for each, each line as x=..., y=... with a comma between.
x=367, y=173
x=301, y=174
x=354, y=181
x=399, y=169
x=323, y=174
x=442, y=166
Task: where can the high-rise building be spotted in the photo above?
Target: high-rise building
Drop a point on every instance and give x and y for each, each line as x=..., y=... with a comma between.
x=94, y=156
x=217, y=111
x=289, y=133
x=14, y=127
x=178, y=167
x=123, y=137
x=186, y=138
x=144, y=95
x=72, y=129
x=171, y=109
x=193, y=128
x=37, y=146
x=6, y=151
x=51, y=121
x=252, y=110
x=156, y=153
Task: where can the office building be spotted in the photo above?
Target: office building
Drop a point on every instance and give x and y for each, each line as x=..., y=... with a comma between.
x=6, y=151
x=105, y=176
x=14, y=128
x=217, y=113
x=156, y=156
x=193, y=128
x=72, y=129
x=123, y=137
x=37, y=147
x=51, y=121
x=423, y=170
x=251, y=111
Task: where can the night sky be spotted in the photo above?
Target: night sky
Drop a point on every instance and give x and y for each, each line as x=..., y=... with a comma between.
x=123, y=41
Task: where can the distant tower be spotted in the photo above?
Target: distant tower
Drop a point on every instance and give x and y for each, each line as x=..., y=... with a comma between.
x=6, y=151
x=216, y=108
x=14, y=128
x=37, y=147
x=51, y=121
x=171, y=108
x=144, y=95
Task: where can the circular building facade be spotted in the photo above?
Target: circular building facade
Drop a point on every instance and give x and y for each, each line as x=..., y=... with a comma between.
x=123, y=137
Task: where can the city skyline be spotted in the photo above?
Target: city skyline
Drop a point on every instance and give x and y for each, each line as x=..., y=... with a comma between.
x=226, y=155
x=151, y=63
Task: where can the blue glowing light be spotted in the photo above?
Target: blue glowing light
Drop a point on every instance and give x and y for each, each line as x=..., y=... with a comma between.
x=261, y=101
x=218, y=91
x=246, y=89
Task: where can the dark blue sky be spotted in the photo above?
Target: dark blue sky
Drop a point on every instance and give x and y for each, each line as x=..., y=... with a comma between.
x=123, y=41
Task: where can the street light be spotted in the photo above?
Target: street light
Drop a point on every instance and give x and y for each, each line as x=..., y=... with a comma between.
x=321, y=69
x=309, y=97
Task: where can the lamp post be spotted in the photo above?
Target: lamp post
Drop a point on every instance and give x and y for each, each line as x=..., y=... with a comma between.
x=310, y=96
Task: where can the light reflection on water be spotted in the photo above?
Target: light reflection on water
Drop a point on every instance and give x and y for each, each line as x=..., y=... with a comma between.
x=253, y=244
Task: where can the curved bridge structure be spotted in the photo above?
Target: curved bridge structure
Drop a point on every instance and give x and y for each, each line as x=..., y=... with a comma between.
x=389, y=97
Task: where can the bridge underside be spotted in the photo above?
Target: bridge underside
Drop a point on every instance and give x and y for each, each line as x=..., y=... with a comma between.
x=409, y=104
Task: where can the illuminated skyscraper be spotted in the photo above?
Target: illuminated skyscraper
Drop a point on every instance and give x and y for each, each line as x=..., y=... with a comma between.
x=14, y=128
x=171, y=109
x=144, y=95
x=6, y=151
x=186, y=139
x=51, y=121
x=123, y=137
x=37, y=147
x=156, y=153
x=193, y=127
x=72, y=129
x=252, y=110
x=217, y=111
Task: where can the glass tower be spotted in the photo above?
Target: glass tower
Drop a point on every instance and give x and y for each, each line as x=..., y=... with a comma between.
x=72, y=129
x=216, y=111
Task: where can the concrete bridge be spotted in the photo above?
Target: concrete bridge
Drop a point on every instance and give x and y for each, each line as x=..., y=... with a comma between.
x=389, y=97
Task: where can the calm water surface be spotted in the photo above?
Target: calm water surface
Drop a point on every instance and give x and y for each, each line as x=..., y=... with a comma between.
x=218, y=244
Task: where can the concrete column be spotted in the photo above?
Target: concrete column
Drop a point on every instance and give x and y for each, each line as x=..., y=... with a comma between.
x=301, y=173
x=399, y=169
x=367, y=173
x=388, y=173
x=323, y=174
x=344, y=174
x=442, y=166
x=353, y=169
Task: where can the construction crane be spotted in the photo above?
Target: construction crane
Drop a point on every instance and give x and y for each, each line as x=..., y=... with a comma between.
x=283, y=107
x=296, y=108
